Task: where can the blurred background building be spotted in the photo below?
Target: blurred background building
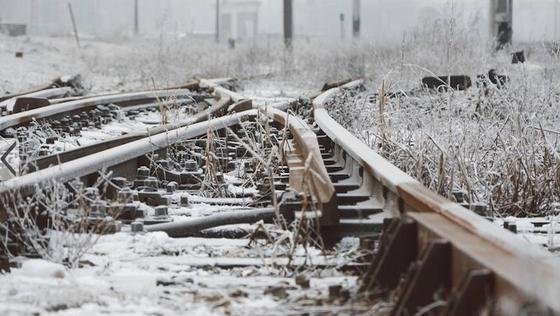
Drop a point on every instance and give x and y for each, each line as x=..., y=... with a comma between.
x=383, y=21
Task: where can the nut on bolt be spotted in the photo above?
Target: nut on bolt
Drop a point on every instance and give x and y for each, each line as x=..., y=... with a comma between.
x=142, y=173
x=171, y=187
x=184, y=201
x=161, y=211
x=137, y=227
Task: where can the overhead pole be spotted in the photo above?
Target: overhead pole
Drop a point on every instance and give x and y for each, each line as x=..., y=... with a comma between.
x=356, y=19
x=342, y=29
x=32, y=28
x=217, y=21
x=74, y=24
x=501, y=22
x=136, y=24
x=288, y=23
x=555, y=40
x=357, y=61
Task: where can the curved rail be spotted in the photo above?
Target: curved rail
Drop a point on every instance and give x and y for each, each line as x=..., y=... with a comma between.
x=39, y=91
x=519, y=273
x=306, y=142
x=114, y=156
x=51, y=93
x=162, y=138
x=87, y=104
x=437, y=246
x=216, y=109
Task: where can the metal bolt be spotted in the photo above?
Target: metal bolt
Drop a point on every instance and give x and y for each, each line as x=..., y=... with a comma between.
x=151, y=182
x=367, y=243
x=98, y=209
x=137, y=227
x=163, y=163
x=334, y=291
x=171, y=187
x=191, y=165
x=142, y=172
x=120, y=182
x=161, y=211
x=184, y=201
x=91, y=193
x=126, y=195
x=220, y=177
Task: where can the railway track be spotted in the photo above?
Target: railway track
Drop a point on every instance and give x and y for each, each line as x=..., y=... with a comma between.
x=283, y=163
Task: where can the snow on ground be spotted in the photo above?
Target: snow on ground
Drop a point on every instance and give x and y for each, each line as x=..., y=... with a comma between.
x=265, y=92
x=45, y=59
x=542, y=231
x=152, y=274
x=104, y=66
x=123, y=125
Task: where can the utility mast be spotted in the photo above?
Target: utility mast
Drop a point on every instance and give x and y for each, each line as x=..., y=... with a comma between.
x=342, y=29
x=356, y=19
x=501, y=22
x=136, y=26
x=288, y=23
x=555, y=40
x=217, y=21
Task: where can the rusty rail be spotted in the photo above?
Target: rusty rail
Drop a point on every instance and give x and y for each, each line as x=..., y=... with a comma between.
x=477, y=264
x=430, y=246
x=81, y=162
x=124, y=99
x=116, y=156
x=304, y=162
x=39, y=90
x=216, y=109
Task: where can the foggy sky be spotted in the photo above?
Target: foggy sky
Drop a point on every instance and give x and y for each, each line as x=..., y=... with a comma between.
x=382, y=20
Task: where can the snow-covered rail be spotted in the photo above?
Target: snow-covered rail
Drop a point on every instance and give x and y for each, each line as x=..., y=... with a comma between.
x=85, y=104
x=47, y=90
x=122, y=155
x=435, y=252
x=217, y=109
x=219, y=165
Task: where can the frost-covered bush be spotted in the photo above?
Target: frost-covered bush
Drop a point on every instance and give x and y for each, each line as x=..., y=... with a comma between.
x=57, y=222
x=501, y=146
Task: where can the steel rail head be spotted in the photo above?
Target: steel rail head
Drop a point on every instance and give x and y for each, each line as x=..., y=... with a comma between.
x=85, y=104
x=523, y=271
x=306, y=141
x=15, y=104
x=111, y=157
x=216, y=109
x=50, y=93
x=216, y=84
x=65, y=170
x=56, y=83
x=192, y=85
x=191, y=227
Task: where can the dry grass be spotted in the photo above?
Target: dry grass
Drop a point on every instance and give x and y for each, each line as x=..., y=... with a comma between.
x=500, y=146
x=57, y=223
